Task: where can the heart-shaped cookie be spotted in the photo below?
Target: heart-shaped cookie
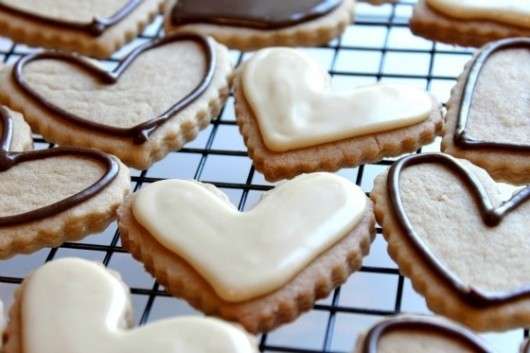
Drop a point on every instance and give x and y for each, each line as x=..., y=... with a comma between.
x=468, y=237
x=93, y=17
x=95, y=317
x=420, y=334
x=250, y=254
x=301, y=123
x=153, y=101
x=250, y=14
x=47, y=191
x=305, y=112
x=91, y=27
x=254, y=24
x=488, y=113
x=299, y=242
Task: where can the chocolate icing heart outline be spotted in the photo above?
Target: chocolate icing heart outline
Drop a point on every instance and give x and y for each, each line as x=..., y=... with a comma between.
x=380, y=329
x=491, y=216
x=95, y=28
x=461, y=136
x=9, y=159
x=181, y=18
x=141, y=132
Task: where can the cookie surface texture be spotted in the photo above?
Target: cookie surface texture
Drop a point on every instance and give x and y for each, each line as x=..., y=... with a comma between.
x=153, y=102
x=487, y=115
x=239, y=280
x=54, y=195
x=450, y=228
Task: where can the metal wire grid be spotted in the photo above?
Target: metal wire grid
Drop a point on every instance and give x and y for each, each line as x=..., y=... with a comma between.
x=380, y=41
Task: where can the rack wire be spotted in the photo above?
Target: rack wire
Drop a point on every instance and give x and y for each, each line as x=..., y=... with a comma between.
x=379, y=47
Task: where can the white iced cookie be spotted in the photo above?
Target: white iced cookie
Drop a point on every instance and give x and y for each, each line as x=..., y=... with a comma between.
x=247, y=254
x=512, y=12
x=291, y=97
x=76, y=306
x=262, y=267
x=293, y=122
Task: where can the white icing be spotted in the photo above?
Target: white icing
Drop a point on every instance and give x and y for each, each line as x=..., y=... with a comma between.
x=291, y=98
x=76, y=306
x=247, y=254
x=513, y=12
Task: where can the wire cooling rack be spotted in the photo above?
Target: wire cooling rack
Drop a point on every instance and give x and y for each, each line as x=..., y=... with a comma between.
x=379, y=47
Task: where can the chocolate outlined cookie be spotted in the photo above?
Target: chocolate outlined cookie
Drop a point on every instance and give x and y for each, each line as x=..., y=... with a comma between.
x=415, y=333
x=53, y=195
x=153, y=102
x=487, y=114
x=251, y=24
x=461, y=240
x=94, y=28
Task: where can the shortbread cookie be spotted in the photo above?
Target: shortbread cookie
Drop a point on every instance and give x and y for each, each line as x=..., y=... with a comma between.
x=487, y=115
x=153, y=102
x=73, y=305
x=419, y=334
x=462, y=242
x=261, y=268
x=54, y=195
x=293, y=123
x=254, y=24
x=470, y=22
x=95, y=28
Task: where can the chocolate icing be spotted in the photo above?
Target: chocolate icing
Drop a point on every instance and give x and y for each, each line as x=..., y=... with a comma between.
x=10, y=159
x=462, y=137
x=95, y=28
x=491, y=216
x=262, y=15
x=456, y=332
x=141, y=132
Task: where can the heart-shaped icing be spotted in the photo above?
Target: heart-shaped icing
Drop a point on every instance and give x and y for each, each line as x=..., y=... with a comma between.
x=144, y=108
x=12, y=165
x=292, y=101
x=94, y=306
x=421, y=332
x=79, y=15
x=476, y=202
x=513, y=99
x=264, y=15
x=512, y=12
x=247, y=254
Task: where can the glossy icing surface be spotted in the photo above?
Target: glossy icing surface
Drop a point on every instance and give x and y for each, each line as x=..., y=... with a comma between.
x=265, y=15
x=247, y=254
x=93, y=303
x=292, y=100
